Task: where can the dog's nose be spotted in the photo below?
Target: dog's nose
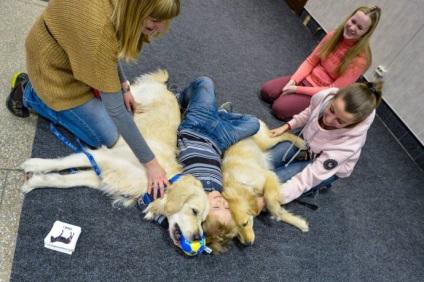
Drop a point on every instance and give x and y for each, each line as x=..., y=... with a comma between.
x=248, y=244
x=197, y=236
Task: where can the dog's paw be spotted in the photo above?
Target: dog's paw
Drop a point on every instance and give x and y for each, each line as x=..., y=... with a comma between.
x=39, y=180
x=31, y=165
x=295, y=220
x=148, y=215
x=303, y=225
x=28, y=185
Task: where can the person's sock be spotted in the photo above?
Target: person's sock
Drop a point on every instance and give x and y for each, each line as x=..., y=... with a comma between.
x=227, y=107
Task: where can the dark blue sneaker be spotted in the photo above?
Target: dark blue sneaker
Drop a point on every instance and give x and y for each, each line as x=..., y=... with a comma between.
x=315, y=191
x=324, y=189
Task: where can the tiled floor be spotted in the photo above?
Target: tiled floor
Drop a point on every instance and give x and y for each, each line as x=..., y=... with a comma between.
x=16, y=135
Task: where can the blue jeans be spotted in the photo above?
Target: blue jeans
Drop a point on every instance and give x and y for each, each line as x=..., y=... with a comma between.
x=202, y=116
x=89, y=122
x=284, y=172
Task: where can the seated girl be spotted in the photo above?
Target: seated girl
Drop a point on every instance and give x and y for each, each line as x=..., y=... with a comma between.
x=335, y=127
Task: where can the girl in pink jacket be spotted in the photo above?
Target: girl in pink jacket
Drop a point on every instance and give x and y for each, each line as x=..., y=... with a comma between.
x=335, y=128
x=341, y=57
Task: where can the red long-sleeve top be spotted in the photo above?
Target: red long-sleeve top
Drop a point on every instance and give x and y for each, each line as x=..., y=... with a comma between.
x=321, y=73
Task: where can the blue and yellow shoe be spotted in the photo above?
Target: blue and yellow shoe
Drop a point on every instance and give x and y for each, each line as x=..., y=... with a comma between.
x=14, y=102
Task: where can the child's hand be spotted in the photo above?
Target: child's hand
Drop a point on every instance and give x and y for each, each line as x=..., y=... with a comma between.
x=278, y=131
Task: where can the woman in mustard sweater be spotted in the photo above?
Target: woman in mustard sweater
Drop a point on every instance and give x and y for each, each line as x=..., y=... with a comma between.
x=341, y=57
x=73, y=50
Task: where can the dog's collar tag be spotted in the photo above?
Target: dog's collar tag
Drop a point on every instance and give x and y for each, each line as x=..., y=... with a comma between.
x=175, y=178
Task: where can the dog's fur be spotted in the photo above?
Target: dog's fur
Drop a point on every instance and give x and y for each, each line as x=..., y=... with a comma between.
x=247, y=173
x=123, y=177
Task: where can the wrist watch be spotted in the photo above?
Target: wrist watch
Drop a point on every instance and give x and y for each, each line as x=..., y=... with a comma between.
x=126, y=90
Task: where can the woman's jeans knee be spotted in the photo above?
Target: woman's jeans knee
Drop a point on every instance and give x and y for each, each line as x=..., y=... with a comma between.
x=89, y=122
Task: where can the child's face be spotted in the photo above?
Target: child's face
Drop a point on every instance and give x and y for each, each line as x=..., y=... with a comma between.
x=219, y=207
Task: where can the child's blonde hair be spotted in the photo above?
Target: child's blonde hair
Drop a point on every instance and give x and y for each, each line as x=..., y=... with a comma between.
x=218, y=235
x=129, y=17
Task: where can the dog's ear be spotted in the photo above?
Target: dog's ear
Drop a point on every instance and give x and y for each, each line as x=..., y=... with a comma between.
x=238, y=193
x=179, y=193
x=253, y=204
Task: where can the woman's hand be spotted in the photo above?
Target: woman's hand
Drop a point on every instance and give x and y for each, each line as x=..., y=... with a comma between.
x=156, y=178
x=129, y=100
x=289, y=88
x=278, y=131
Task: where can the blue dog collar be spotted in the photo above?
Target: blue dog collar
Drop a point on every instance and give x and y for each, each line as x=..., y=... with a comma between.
x=175, y=177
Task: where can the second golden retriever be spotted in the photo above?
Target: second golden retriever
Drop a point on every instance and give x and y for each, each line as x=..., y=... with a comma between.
x=247, y=173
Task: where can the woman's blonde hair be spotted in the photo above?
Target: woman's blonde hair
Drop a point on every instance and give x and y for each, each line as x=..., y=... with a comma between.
x=361, y=48
x=218, y=235
x=129, y=18
x=360, y=99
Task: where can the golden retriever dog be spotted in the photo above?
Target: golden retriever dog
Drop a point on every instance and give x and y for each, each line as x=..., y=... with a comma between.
x=158, y=116
x=248, y=173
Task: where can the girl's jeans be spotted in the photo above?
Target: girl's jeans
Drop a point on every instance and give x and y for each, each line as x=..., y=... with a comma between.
x=286, y=172
x=89, y=122
x=202, y=116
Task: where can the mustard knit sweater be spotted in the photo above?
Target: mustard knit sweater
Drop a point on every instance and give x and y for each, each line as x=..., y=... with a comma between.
x=72, y=48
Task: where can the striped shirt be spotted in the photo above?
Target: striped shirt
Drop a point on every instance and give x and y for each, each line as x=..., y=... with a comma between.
x=201, y=158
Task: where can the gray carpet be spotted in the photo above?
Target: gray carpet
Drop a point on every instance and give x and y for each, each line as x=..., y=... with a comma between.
x=368, y=227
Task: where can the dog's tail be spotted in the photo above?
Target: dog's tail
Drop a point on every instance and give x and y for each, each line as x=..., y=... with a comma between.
x=273, y=198
x=265, y=142
x=159, y=75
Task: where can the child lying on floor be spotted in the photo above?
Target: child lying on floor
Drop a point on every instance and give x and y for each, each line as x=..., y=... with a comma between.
x=203, y=136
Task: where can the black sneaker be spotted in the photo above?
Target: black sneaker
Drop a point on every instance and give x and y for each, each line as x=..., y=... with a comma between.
x=325, y=189
x=227, y=107
x=14, y=102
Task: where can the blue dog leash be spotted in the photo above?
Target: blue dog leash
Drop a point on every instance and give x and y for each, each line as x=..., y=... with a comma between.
x=77, y=150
